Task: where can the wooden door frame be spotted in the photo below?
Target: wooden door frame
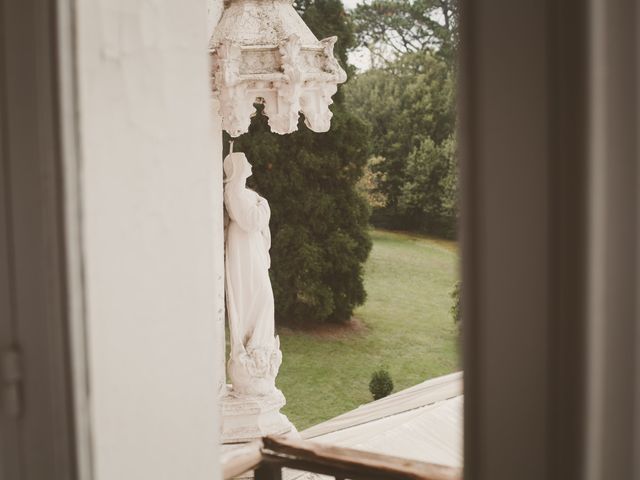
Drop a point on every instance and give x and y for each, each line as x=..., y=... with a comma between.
x=524, y=104
x=550, y=181
x=40, y=250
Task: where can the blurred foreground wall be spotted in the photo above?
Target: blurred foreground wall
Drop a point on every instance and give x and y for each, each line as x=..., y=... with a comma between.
x=151, y=180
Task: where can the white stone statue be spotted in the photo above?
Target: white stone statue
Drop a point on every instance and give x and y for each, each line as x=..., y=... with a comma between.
x=255, y=355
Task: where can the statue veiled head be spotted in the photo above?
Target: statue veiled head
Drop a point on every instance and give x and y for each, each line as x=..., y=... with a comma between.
x=236, y=167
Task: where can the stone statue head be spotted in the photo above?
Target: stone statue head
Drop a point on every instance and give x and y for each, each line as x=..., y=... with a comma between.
x=236, y=167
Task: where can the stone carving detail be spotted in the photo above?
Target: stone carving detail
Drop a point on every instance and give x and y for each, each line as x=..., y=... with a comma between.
x=263, y=52
x=253, y=370
x=251, y=406
x=235, y=100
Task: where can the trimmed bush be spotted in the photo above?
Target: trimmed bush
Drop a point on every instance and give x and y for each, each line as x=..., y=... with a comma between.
x=381, y=384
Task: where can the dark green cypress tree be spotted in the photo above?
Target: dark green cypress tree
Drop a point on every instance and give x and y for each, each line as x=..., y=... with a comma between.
x=319, y=221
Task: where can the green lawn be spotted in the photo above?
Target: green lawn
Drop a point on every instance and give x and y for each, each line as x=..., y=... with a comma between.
x=407, y=327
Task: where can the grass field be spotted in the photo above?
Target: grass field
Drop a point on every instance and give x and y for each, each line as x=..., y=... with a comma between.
x=405, y=325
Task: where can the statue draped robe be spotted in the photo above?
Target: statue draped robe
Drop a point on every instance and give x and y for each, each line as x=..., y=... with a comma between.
x=255, y=355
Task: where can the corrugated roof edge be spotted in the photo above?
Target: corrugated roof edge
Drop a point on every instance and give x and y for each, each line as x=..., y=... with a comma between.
x=426, y=393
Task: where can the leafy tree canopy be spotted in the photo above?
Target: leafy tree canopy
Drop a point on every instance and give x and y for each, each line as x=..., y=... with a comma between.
x=392, y=28
x=410, y=106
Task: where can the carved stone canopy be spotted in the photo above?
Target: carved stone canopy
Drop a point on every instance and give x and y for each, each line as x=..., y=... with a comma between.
x=263, y=52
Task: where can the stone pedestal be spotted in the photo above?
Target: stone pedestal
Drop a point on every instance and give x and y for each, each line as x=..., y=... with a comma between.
x=247, y=418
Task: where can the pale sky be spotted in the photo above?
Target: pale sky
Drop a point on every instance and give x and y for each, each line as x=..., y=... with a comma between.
x=350, y=3
x=360, y=57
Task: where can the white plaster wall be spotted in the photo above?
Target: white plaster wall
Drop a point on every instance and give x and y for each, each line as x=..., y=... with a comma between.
x=152, y=228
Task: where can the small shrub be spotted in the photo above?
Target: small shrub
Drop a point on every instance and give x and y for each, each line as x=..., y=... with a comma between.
x=381, y=384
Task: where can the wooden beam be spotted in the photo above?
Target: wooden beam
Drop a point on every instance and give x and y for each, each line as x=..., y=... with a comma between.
x=340, y=461
x=243, y=459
